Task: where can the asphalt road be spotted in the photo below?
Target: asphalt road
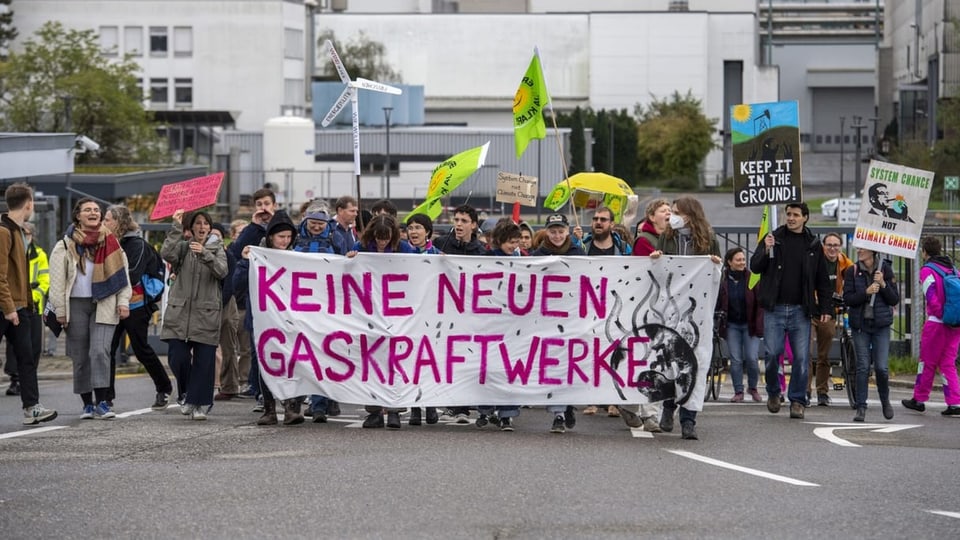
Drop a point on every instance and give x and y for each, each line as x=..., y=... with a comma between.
x=752, y=474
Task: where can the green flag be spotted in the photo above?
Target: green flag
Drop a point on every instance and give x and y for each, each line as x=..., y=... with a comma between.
x=528, y=104
x=448, y=176
x=764, y=229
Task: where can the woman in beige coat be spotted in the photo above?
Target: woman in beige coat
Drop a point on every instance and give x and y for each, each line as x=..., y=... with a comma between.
x=90, y=292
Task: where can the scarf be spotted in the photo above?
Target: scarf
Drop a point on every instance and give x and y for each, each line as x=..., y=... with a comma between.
x=556, y=250
x=103, y=248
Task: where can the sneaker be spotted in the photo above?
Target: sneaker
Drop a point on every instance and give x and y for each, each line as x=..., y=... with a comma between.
x=462, y=418
x=506, y=424
x=952, y=410
x=319, y=417
x=823, y=400
x=688, y=431
x=13, y=389
x=197, y=413
x=796, y=410
x=160, y=403
x=773, y=404
x=630, y=418
x=737, y=398
x=432, y=417
x=333, y=408
x=557, y=426
x=861, y=414
x=650, y=424
x=103, y=411
x=373, y=420
x=913, y=405
x=613, y=411
x=754, y=394
x=223, y=396
x=416, y=417
x=246, y=392
x=482, y=420
x=186, y=408
x=590, y=410
x=570, y=417
x=259, y=406
x=87, y=413
x=887, y=410
x=666, y=421
x=36, y=414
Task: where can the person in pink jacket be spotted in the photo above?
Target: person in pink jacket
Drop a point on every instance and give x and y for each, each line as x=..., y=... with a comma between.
x=938, y=342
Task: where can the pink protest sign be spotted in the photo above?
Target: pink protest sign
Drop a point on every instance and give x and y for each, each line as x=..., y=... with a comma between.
x=188, y=195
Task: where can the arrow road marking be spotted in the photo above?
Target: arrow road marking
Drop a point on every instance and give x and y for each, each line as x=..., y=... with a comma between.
x=731, y=466
x=945, y=513
x=827, y=433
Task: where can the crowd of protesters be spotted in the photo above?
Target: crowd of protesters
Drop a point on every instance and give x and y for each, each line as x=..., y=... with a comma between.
x=96, y=288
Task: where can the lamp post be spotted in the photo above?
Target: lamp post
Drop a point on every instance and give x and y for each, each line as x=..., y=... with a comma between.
x=386, y=168
x=842, y=120
x=858, y=127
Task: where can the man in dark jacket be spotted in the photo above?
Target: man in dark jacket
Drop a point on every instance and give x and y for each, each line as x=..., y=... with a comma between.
x=462, y=239
x=792, y=267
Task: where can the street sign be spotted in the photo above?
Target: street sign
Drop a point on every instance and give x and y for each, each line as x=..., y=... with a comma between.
x=951, y=183
x=847, y=211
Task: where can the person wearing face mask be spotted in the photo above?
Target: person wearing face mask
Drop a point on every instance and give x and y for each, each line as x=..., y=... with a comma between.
x=191, y=322
x=689, y=233
x=870, y=291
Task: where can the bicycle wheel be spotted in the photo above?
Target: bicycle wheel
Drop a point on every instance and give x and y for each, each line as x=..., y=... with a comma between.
x=716, y=378
x=849, y=360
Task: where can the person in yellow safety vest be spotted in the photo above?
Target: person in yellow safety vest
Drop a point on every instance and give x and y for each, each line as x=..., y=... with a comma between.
x=39, y=271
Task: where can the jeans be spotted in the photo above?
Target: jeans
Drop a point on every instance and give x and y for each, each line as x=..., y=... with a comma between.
x=743, y=352
x=873, y=345
x=22, y=338
x=787, y=320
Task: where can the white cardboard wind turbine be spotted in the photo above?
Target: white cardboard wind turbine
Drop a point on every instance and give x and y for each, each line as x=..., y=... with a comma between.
x=350, y=94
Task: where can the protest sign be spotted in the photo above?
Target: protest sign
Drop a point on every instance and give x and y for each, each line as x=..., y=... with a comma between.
x=514, y=188
x=409, y=330
x=187, y=195
x=766, y=153
x=894, y=204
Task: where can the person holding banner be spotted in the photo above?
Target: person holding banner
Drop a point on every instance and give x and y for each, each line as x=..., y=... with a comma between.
x=688, y=233
x=191, y=322
x=870, y=291
x=559, y=242
x=794, y=288
x=342, y=227
x=419, y=233
x=90, y=292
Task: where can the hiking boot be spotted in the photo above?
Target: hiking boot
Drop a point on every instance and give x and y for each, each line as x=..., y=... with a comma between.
x=393, y=420
x=36, y=414
x=887, y=410
x=796, y=410
x=291, y=412
x=333, y=408
x=861, y=414
x=773, y=404
x=737, y=398
x=160, y=402
x=269, y=416
x=103, y=411
x=666, y=421
x=688, y=431
x=373, y=420
x=650, y=424
x=590, y=410
x=416, y=417
x=913, y=405
x=570, y=418
x=557, y=426
x=87, y=413
x=754, y=395
x=823, y=400
x=482, y=420
x=506, y=424
x=952, y=410
x=432, y=416
x=630, y=418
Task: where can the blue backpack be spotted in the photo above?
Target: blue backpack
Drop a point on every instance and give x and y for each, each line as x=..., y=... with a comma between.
x=951, y=295
x=153, y=277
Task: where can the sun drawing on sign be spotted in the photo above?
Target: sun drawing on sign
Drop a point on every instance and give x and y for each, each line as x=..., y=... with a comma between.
x=741, y=113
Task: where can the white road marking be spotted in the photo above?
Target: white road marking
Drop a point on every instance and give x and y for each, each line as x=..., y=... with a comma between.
x=639, y=433
x=30, y=431
x=747, y=470
x=945, y=513
x=827, y=433
x=136, y=412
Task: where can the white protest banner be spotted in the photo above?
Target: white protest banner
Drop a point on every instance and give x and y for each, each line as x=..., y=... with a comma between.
x=514, y=188
x=892, y=210
x=404, y=330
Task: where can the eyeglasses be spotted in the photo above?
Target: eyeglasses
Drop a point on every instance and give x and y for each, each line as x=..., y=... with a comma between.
x=832, y=246
x=601, y=219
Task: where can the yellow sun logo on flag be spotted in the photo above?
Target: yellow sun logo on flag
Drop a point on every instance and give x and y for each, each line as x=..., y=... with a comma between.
x=741, y=113
x=521, y=99
x=438, y=177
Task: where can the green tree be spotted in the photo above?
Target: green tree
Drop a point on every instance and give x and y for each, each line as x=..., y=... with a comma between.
x=7, y=31
x=361, y=56
x=673, y=139
x=63, y=70
x=578, y=143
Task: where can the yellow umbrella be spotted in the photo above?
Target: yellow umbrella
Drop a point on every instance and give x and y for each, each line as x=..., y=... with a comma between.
x=590, y=189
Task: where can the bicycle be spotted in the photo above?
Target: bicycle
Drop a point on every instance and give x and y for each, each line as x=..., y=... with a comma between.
x=719, y=359
x=848, y=353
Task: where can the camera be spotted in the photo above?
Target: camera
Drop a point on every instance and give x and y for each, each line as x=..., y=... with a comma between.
x=86, y=144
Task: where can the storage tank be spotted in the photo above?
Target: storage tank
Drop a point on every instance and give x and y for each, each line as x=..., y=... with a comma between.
x=288, y=159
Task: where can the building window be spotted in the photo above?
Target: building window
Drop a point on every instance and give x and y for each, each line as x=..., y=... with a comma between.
x=133, y=40
x=182, y=41
x=846, y=139
x=183, y=92
x=109, y=40
x=293, y=44
x=158, y=41
x=159, y=88
x=819, y=139
x=827, y=139
x=293, y=92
